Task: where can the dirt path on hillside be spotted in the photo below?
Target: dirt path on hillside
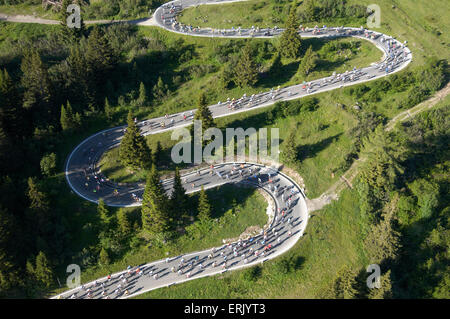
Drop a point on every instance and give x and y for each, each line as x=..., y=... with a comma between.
x=35, y=19
x=347, y=178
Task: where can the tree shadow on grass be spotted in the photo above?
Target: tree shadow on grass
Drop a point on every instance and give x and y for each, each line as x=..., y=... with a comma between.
x=287, y=71
x=223, y=198
x=311, y=150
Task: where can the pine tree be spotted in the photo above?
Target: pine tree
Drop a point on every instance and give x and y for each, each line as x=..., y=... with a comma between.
x=39, y=208
x=69, y=120
x=178, y=198
x=246, y=72
x=100, y=56
x=78, y=78
x=383, y=241
x=203, y=113
x=290, y=40
x=8, y=273
x=379, y=172
x=384, y=155
x=123, y=222
x=309, y=62
x=77, y=121
x=290, y=149
x=155, y=208
x=160, y=89
x=385, y=290
x=102, y=211
x=104, y=257
x=37, y=95
x=35, y=79
x=37, y=198
x=134, y=151
x=108, y=110
x=100, y=61
x=344, y=284
x=142, y=99
x=204, y=207
x=310, y=10
x=202, y=99
x=10, y=109
x=42, y=271
x=66, y=119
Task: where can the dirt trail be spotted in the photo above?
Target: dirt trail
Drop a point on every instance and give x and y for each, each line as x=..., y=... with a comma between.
x=347, y=178
x=34, y=19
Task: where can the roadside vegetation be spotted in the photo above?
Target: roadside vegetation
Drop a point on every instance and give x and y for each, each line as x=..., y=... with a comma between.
x=91, y=10
x=270, y=13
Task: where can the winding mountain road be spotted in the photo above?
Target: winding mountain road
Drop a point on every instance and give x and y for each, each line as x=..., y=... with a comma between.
x=86, y=179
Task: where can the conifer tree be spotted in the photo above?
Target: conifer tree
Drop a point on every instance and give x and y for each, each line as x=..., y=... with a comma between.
x=290, y=40
x=134, y=151
x=102, y=211
x=204, y=207
x=69, y=120
x=66, y=119
x=344, y=284
x=42, y=271
x=142, y=99
x=290, y=149
x=123, y=222
x=155, y=208
x=246, y=72
x=160, y=89
x=37, y=89
x=383, y=241
x=100, y=59
x=100, y=56
x=108, y=110
x=309, y=62
x=8, y=272
x=385, y=290
x=203, y=113
x=10, y=109
x=310, y=10
x=79, y=77
x=384, y=155
x=178, y=198
x=104, y=257
x=38, y=199
x=39, y=207
x=77, y=121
